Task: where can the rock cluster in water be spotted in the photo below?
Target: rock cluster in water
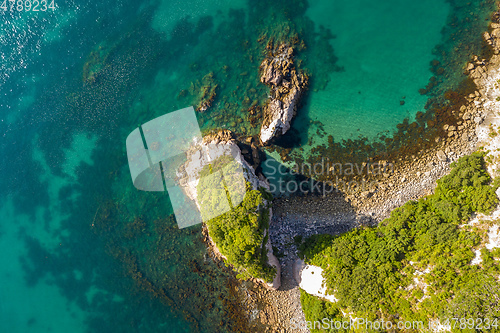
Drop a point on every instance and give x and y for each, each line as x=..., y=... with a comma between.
x=287, y=86
x=207, y=91
x=95, y=63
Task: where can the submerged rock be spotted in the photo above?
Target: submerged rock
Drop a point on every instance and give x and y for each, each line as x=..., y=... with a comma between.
x=287, y=86
x=207, y=91
x=95, y=63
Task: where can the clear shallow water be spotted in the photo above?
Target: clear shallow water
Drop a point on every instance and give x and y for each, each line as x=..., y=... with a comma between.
x=83, y=250
x=385, y=49
x=168, y=12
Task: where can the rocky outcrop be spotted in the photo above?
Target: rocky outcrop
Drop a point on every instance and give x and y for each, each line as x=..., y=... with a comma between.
x=204, y=153
x=287, y=86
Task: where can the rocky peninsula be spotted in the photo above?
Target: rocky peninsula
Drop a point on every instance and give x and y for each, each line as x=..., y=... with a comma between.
x=215, y=171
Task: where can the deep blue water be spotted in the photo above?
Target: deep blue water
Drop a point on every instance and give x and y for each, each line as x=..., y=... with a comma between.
x=83, y=251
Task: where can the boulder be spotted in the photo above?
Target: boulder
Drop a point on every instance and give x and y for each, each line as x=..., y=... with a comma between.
x=441, y=156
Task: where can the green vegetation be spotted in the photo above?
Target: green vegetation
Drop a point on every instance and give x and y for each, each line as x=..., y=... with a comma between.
x=315, y=309
x=371, y=270
x=240, y=233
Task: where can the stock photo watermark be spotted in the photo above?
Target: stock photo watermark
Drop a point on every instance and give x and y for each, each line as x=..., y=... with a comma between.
x=382, y=325
x=282, y=179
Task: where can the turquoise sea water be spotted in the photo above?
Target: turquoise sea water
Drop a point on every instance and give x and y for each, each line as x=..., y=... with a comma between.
x=385, y=51
x=83, y=251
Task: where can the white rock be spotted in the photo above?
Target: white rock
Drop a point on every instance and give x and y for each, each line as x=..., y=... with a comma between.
x=312, y=282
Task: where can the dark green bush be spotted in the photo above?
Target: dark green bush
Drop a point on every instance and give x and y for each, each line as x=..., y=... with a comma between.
x=316, y=309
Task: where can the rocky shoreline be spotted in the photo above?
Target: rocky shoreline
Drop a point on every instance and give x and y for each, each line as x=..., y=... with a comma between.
x=303, y=216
